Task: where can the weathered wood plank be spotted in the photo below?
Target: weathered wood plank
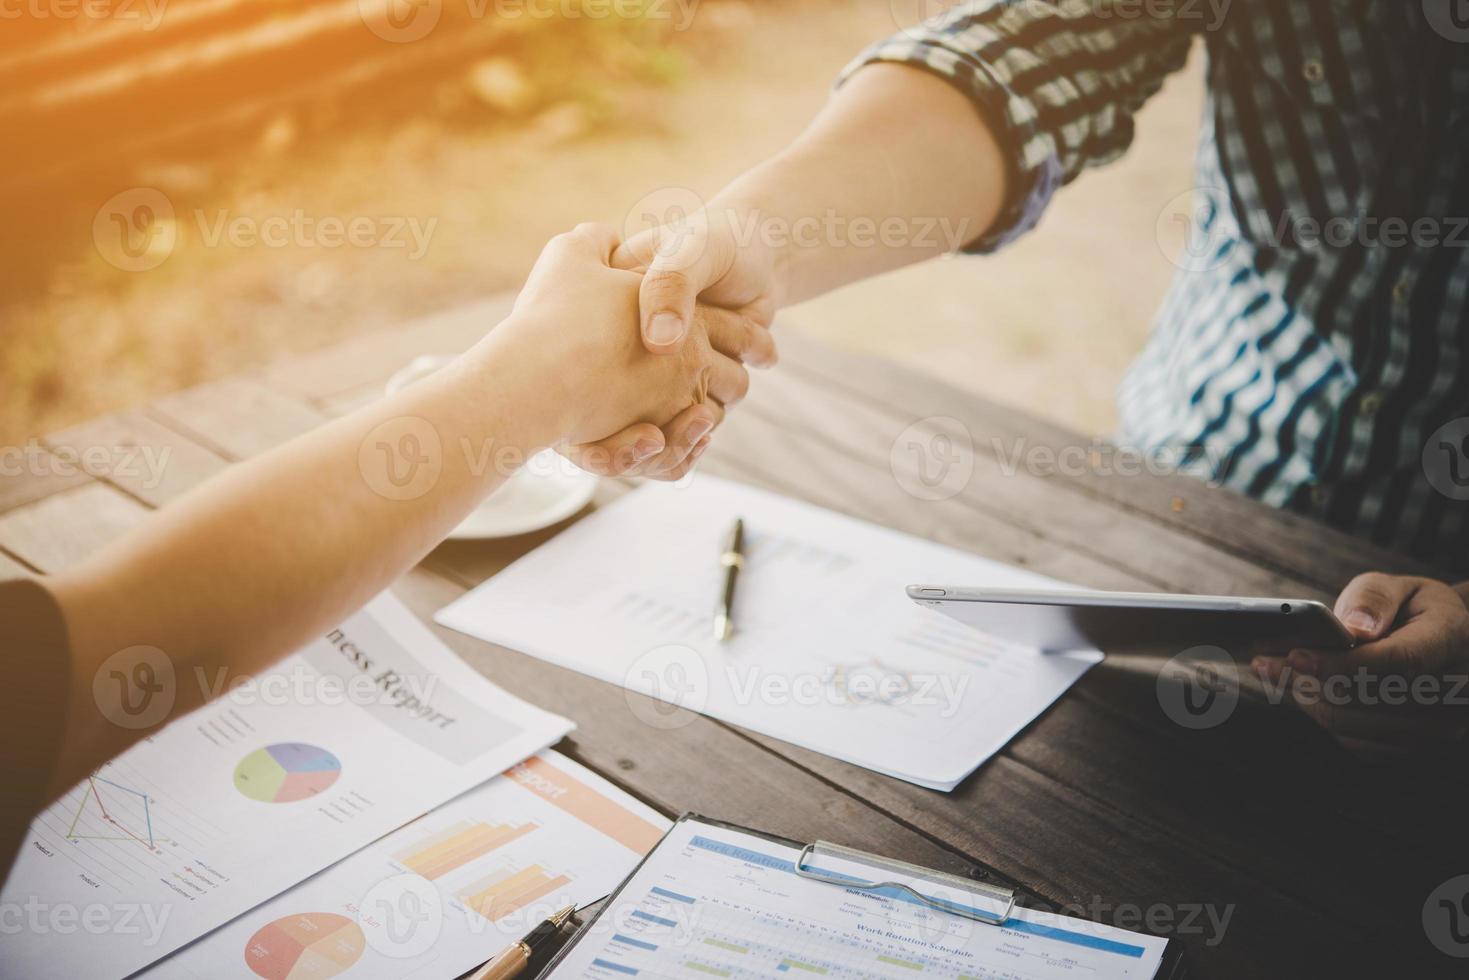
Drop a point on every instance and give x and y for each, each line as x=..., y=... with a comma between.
x=1416, y=806
x=1199, y=785
x=30, y=472
x=1278, y=540
x=236, y=418
x=64, y=528
x=785, y=459
x=10, y=568
x=1167, y=558
x=138, y=455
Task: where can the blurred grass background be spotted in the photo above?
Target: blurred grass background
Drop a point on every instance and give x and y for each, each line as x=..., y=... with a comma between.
x=497, y=147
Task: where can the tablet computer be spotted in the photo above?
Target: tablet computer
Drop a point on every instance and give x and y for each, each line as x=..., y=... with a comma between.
x=1074, y=620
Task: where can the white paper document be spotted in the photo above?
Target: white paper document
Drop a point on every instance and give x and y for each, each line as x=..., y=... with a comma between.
x=829, y=653
x=445, y=893
x=339, y=744
x=711, y=901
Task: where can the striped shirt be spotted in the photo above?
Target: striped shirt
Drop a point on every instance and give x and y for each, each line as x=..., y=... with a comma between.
x=1310, y=350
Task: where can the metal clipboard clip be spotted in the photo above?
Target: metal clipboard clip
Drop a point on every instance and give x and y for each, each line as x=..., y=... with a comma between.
x=949, y=893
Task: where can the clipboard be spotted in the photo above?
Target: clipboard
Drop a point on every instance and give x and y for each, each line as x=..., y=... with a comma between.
x=944, y=899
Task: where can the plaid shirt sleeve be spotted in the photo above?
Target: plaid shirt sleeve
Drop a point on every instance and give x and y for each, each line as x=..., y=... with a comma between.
x=1059, y=80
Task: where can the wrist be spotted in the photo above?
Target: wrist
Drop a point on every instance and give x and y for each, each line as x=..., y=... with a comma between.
x=757, y=220
x=520, y=383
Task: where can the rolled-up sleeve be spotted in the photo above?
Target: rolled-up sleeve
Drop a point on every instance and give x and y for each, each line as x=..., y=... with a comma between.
x=1059, y=81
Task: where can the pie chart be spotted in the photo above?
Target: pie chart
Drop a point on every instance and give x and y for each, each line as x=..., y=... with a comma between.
x=286, y=772
x=309, y=946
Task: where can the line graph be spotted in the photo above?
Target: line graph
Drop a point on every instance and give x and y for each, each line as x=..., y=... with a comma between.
x=130, y=807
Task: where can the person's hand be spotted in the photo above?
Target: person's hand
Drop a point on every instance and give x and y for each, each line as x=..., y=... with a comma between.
x=572, y=326
x=698, y=278
x=1405, y=686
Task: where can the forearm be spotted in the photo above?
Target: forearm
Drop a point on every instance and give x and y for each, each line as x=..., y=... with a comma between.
x=899, y=167
x=276, y=550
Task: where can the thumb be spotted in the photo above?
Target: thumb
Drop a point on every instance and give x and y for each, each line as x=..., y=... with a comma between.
x=1370, y=603
x=681, y=269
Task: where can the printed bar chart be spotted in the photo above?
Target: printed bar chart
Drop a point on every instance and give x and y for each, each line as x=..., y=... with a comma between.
x=508, y=891
x=454, y=847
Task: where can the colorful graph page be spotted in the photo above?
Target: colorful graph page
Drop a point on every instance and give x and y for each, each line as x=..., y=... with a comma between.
x=717, y=902
x=437, y=896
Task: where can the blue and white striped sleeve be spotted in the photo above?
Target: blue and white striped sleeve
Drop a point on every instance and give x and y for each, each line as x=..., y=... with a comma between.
x=1059, y=81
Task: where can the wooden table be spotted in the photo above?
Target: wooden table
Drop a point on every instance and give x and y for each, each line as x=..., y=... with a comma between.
x=1323, y=865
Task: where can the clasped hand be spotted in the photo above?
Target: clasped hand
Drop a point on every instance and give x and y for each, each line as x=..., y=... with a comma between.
x=625, y=410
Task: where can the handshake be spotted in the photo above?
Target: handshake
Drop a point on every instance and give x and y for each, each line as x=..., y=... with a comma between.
x=636, y=371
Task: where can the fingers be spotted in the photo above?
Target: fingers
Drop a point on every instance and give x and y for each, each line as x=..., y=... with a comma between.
x=685, y=437
x=1370, y=603
x=728, y=381
x=738, y=335
x=636, y=254
x=620, y=454
x=683, y=266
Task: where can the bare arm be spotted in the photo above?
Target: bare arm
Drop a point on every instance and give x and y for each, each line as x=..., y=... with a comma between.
x=274, y=551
